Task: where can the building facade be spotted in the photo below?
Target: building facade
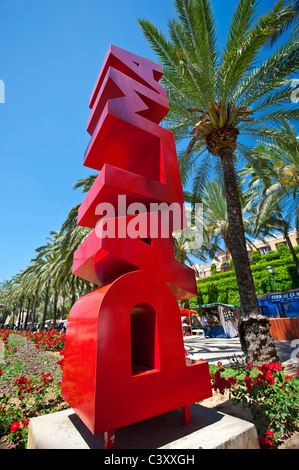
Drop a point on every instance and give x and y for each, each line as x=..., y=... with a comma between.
x=269, y=243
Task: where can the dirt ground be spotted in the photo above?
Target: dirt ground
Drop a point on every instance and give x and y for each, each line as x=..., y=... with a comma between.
x=32, y=362
x=29, y=362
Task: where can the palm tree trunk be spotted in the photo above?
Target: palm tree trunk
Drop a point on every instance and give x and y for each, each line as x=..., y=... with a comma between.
x=254, y=328
x=227, y=244
x=46, y=304
x=3, y=318
x=63, y=309
x=20, y=314
x=27, y=313
x=13, y=317
x=34, y=309
x=55, y=307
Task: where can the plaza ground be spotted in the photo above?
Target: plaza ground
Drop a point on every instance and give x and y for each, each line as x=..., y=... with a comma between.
x=214, y=350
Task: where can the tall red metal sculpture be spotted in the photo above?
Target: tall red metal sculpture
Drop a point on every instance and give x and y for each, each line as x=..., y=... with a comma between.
x=124, y=354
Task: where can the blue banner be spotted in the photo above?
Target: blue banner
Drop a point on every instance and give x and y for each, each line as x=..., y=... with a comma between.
x=283, y=297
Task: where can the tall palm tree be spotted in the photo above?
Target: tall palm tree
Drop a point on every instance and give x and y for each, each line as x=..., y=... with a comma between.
x=216, y=97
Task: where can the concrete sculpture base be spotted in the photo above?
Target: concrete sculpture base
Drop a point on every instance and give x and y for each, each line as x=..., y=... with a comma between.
x=209, y=429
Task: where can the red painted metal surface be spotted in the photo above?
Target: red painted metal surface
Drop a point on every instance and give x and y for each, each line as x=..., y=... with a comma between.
x=124, y=354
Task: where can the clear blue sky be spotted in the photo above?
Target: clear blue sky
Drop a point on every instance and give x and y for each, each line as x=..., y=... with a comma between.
x=50, y=55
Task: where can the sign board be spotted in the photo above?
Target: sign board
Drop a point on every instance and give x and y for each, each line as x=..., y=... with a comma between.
x=283, y=297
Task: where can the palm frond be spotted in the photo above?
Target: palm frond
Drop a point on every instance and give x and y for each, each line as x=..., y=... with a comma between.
x=85, y=183
x=269, y=76
x=163, y=48
x=243, y=45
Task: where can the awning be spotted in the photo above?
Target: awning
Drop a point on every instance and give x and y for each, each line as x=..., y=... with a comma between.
x=233, y=307
x=186, y=313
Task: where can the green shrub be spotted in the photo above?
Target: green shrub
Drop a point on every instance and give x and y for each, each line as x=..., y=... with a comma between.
x=222, y=287
x=271, y=255
x=256, y=256
x=213, y=268
x=283, y=250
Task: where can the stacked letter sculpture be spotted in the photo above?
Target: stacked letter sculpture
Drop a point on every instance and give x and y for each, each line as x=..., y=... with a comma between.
x=124, y=354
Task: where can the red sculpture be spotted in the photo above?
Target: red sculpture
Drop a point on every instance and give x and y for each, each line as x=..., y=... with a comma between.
x=124, y=354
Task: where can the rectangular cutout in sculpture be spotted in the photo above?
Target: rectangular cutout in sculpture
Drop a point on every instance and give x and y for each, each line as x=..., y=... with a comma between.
x=124, y=354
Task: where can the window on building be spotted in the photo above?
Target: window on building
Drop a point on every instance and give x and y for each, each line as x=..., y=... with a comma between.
x=264, y=250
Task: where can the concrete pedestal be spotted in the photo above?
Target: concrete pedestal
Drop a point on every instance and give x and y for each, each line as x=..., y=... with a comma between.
x=209, y=429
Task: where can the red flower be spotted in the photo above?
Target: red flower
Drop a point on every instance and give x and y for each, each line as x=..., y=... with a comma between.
x=271, y=381
x=1, y=372
x=267, y=440
x=288, y=377
x=14, y=426
x=26, y=423
x=21, y=380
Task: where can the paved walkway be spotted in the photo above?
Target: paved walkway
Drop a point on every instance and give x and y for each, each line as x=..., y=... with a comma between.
x=213, y=350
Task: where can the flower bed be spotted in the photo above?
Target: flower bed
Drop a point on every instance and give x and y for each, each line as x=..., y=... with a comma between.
x=48, y=340
x=270, y=395
x=37, y=392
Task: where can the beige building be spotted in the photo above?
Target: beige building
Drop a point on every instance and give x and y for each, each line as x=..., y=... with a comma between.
x=269, y=243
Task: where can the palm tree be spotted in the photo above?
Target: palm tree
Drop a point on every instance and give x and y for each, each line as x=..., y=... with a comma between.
x=217, y=96
x=48, y=276
x=31, y=274
x=285, y=174
x=273, y=184
x=215, y=213
x=14, y=297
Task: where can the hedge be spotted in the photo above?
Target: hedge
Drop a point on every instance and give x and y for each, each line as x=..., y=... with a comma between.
x=222, y=287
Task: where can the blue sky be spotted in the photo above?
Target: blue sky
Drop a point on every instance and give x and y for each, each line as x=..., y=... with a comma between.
x=51, y=53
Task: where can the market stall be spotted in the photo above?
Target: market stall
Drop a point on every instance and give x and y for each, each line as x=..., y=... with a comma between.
x=219, y=320
x=186, y=318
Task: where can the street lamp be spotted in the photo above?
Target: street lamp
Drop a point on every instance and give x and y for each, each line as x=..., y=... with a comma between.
x=271, y=271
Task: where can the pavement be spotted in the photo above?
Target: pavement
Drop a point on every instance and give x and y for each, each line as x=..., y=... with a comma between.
x=209, y=429
x=213, y=350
